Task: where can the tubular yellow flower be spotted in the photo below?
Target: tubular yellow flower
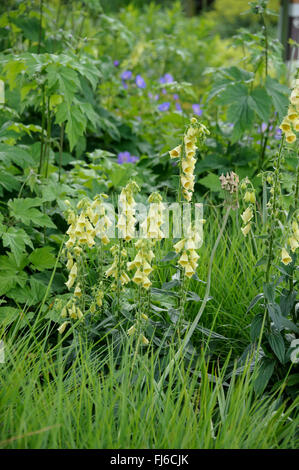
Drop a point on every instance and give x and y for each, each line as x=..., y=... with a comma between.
x=285, y=126
x=77, y=291
x=184, y=259
x=245, y=230
x=131, y=330
x=290, y=137
x=293, y=243
x=292, y=114
x=176, y=152
x=247, y=215
x=285, y=257
x=144, y=340
x=249, y=197
x=62, y=328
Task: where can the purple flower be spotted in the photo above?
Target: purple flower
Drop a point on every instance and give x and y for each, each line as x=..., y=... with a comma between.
x=126, y=157
x=263, y=127
x=164, y=106
x=196, y=109
x=125, y=85
x=167, y=78
x=178, y=107
x=278, y=134
x=126, y=75
x=164, y=92
x=176, y=97
x=116, y=63
x=140, y=82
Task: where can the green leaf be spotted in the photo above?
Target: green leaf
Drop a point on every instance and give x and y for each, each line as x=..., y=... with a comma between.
x=11, y=274
x=169, y=257
x=43, y=258
x=211, y=162
x=13, y=154
x=23, y=209
x=76, y=125
x=233, y=94
x=260, y=102
x=277, y=345
x=279, y=96
x=211, y=181
x=30, y=294
x=16, y=239
x=264, y=375
x=8, y=181
x=269, y=291
x=8, y=315
x=255, y=327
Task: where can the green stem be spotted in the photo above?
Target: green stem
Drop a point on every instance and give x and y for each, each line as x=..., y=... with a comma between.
x=41, y=156
x=60, y=150
x=266, y=44
x=47, y=151
x=276, y=183
x=40, y=25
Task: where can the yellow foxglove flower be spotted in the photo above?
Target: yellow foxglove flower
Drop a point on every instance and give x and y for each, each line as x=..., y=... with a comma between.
x=249, y=197
x=64, y=312
x=77, y=250
x=285, y=126
x=62, y=328
x=131, y=330
x=293, y=115
x=179, y=246
x=247, y=215
x=146, y=283
x=144, y=340
x=290, y=137
x=111, y=271
x=77, y=291
x=176, y=152
x=189, y=270
x=184, y=260
x=70, y=282
x=285, y=257
x=138, y=277
x=124, y=278
x=245, y=230
x=73, y=312
x=79, y=314
x=293, y=243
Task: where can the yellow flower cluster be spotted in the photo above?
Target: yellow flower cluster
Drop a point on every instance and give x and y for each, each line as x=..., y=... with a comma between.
x=290, y=123
x=151, y=225
x=134, y=328
x=189, y=256
x=293, y=242
x=98, y=296
x=141, y=263
x=91, y=222
x=127, y=220
x=118, y=268
x=247, y=215
x=98, y=216
x=187, y=158
x=72, y=310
